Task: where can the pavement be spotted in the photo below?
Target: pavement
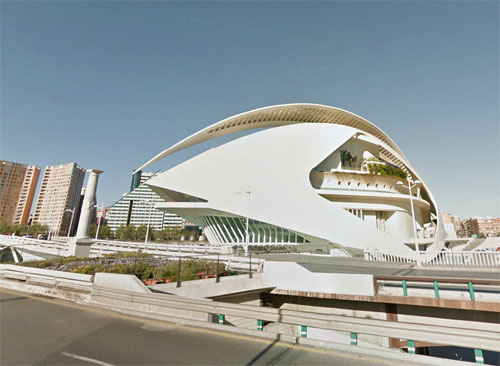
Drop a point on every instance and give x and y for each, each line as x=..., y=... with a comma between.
x=42, y=331
x=327, y=264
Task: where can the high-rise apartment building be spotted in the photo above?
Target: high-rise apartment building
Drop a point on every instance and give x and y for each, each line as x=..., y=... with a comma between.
x=137, y=207
x=17, y=189
x=59, y=193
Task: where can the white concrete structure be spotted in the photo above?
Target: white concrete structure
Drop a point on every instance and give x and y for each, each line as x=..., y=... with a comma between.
x=79, y=246
x=317, y=174
x=88, y=199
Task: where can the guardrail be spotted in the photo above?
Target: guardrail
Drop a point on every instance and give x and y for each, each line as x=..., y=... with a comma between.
x=179, y=309
x=469, y=337
x=467, y=260
x=49, y=282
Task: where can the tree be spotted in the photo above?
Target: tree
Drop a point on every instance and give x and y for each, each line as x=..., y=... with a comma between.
x=126, y=232
x=5, y=228
x=171, y=233
x=37, y=229
x=92, y=230
x=105, y=232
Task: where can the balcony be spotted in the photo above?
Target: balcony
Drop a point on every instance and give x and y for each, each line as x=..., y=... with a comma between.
x=357, y=180
x=342, y=185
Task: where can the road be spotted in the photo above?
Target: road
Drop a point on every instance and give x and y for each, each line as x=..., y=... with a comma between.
x=40, y=331
x=327, y=264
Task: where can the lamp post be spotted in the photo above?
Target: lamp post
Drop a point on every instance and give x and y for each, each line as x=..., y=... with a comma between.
x=99, y=222
x=71, y=222
x=149, y=220
x=410, y=186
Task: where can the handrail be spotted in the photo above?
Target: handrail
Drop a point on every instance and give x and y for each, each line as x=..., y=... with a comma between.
x=478, y=281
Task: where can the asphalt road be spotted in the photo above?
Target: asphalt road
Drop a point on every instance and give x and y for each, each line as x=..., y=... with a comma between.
x=327, y=264
x=39, y=331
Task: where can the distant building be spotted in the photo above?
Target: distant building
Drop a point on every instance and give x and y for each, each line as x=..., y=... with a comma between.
x=17, y=190
x=489, y=226
x=102, y=215
x=452, y=226
x=137, y=207
x=60, y=191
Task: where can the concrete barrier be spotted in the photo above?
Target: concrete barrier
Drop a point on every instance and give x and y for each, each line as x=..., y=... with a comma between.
x=63, y=285
x=122, y=282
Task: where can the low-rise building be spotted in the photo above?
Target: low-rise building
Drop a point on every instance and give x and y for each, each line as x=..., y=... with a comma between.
x=452, y=226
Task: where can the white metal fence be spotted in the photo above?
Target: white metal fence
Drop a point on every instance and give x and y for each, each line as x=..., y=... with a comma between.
x=471, y=259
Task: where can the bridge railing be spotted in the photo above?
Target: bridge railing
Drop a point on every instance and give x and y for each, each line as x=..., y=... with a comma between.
x=480, y=260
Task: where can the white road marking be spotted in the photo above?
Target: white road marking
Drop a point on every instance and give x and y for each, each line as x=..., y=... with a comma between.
x=83, y=358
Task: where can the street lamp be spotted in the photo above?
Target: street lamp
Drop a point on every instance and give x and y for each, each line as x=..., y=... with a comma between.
x=71, y=222
x=99, y=221
x=149, y=220
x=410, y=186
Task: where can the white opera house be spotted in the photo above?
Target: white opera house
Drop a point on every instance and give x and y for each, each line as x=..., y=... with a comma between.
x=308, y=174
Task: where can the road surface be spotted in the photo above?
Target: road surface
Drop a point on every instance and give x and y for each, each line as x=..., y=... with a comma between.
x=40, y=331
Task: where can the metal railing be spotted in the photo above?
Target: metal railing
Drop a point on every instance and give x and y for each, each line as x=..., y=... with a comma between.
x=464, y=259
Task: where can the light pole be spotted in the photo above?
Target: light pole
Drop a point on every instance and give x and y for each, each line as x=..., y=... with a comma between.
x=71, y=222
x=247, y=239
x=149, y=220
x=410, y=186
x=99, y=222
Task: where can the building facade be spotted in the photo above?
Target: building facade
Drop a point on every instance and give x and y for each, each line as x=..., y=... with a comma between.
x=487, y=226
x=452, y=226
x=17, y=189
x=59, y=193
x=311, y=174
x=137, y=207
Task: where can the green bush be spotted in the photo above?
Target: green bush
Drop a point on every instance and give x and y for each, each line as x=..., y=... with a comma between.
x=386, y=170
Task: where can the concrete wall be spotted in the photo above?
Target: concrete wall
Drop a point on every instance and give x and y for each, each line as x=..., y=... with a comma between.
x=292, y=276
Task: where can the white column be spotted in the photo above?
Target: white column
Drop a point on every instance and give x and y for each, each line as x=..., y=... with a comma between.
x=88, y=199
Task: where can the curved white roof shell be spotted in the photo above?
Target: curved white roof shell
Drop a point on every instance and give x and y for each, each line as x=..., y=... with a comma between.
x=262, y=160
x=276, y=116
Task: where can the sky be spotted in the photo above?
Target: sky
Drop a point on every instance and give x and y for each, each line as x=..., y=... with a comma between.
x=109, y=84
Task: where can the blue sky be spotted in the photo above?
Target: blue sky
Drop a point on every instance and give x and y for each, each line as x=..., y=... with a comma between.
x=111, y=84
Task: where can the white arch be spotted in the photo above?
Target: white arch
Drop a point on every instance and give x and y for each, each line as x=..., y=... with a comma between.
x=276, y=116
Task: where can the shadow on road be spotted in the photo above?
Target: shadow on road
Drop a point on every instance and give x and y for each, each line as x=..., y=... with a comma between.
x=12, y=299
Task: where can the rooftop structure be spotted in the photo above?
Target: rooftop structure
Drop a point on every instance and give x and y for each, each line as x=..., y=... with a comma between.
x=316, y=174
x=17, y=190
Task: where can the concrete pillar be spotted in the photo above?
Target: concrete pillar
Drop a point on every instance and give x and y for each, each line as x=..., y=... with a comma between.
x=88, y=199
x=79, y=246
